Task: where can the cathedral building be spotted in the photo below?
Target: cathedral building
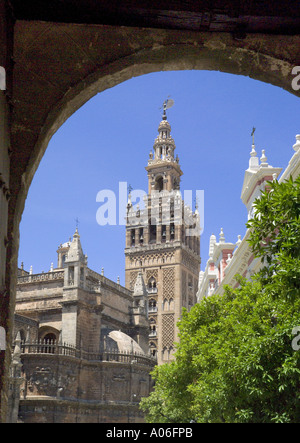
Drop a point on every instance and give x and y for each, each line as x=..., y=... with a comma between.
x=163, y=242
x=85, y=345
x=81, y=345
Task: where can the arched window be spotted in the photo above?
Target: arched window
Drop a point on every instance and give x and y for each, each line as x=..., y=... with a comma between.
x=171, y=304
x=152, y=332
x=48, y=334
x=141, y=236
x=152, y=283
x=71, y=276
x=165, y=354
x=48, y=344
x=159, y=183
x=152, y=289
x=153, y=349
x=132, y=237
x=165, y=305
x=50, y=337
x=163, y=233
x=152, y=305
x=152, y=228
x=171, y=352
x=172, y=229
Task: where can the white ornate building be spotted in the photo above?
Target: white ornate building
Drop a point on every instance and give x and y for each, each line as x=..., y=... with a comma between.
x=226, y=260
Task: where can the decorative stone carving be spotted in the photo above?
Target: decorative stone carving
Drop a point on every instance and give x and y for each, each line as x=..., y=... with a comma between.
x=169, y=283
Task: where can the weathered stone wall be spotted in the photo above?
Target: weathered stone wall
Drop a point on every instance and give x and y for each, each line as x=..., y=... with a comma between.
x=60, y=388
x=6, y=303
x=65, y=411
x=89, y=327
x=28, y=328
x=33, y=297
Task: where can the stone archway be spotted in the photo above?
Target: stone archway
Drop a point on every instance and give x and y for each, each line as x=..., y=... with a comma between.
x=59, y=67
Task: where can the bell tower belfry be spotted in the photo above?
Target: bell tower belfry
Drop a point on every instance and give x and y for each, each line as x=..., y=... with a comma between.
x=163, y=242
x=163, y=168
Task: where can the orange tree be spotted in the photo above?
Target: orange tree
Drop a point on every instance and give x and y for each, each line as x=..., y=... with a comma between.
x=238, y=358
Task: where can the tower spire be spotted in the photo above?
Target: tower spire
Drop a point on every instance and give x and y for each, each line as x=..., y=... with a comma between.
x=163, y=239
x=254, y=160
x=75, y=252
x=163, y=168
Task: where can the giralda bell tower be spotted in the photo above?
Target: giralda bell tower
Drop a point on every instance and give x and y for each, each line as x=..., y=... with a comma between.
x=163, y=241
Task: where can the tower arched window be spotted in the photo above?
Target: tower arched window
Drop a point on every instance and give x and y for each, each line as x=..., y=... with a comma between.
x=159, y=183
x=172, y=230
x=153, y=349
x=165, y=353
x=152, y=305
x=152, y=331
x=132, y=236
x=171, y=352
x=171, y=304
x=152, y=285
x=163, y=233
x=71, y=276
x=141, y=236
x=152, y=228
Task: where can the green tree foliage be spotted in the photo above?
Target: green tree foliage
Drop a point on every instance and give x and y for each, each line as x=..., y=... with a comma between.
x=275, y=237
x=235, y=362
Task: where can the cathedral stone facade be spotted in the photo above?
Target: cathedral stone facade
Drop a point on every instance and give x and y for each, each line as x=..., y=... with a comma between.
x=81, y=352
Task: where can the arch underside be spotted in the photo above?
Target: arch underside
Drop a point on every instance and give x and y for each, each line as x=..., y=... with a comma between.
x=59, y=67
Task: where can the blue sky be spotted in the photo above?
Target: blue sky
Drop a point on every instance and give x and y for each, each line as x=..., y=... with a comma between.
x=108, y=141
